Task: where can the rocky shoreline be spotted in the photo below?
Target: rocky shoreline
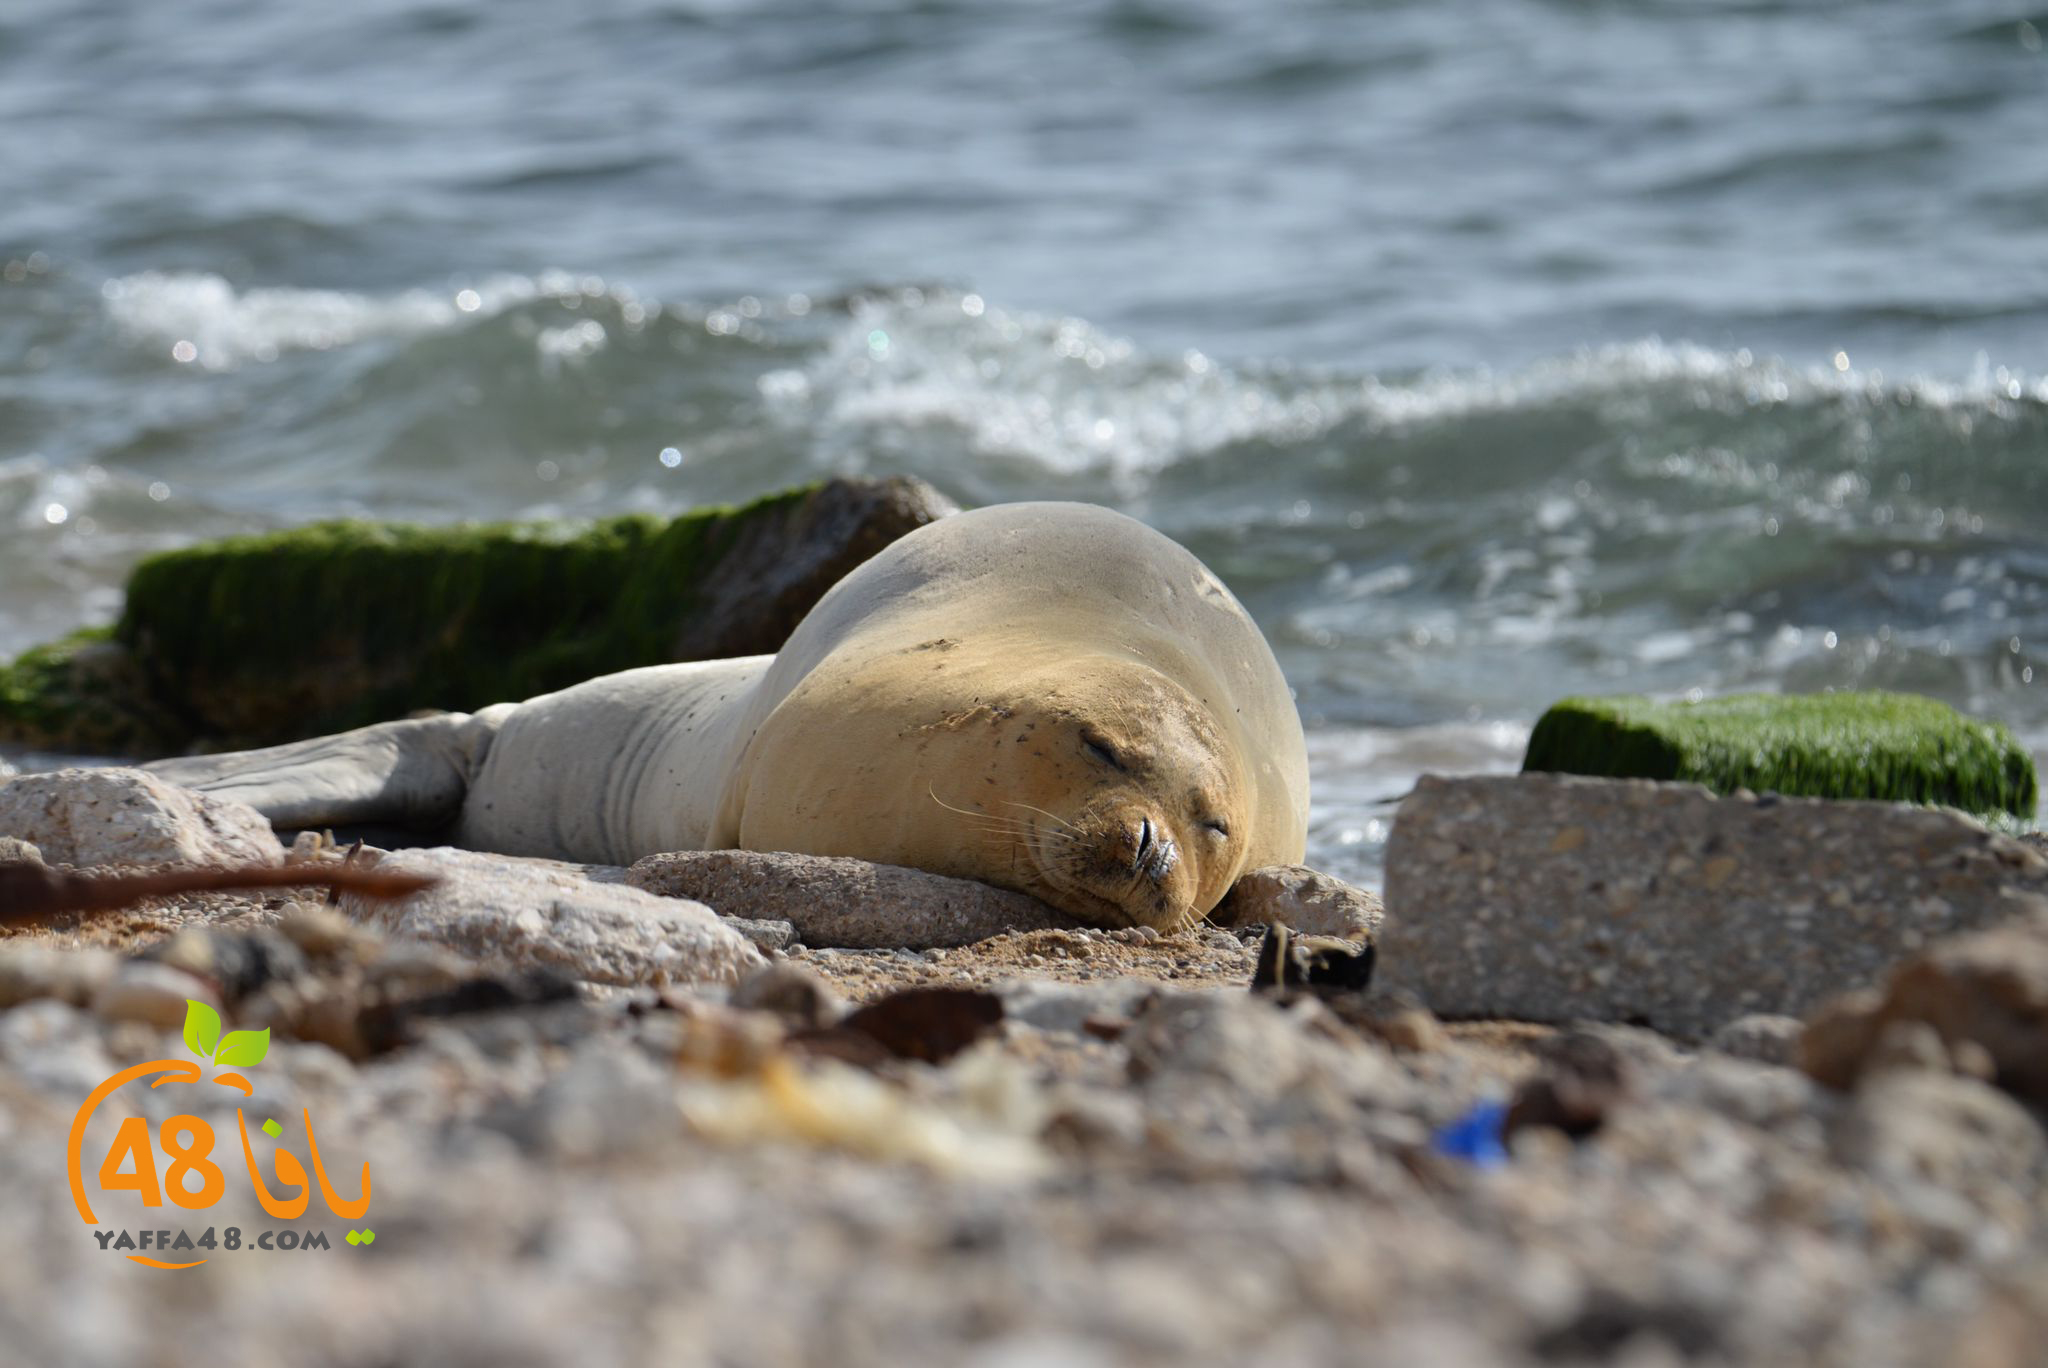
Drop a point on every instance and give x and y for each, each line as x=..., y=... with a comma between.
x=609, y=1126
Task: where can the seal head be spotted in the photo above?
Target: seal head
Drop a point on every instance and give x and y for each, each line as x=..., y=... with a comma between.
x=1085, y=715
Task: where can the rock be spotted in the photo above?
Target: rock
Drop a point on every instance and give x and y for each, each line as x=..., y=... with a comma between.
x=1927, y=1126
x=29, y=971
x=789, y=991
x=1990, y=988
x=788, y=551
x=492, y=1008
x=1586, y=1076
x=1399, y=1020
x=1839, y=744
x=846, y=903
x=610, y=1102
x=84, y=694
x=544, y=914
x=765, y=935
x=1763, y=1037
x=321, y=1010
x=152, y=993
x=1055, y=1005
x=236, y=963
x=1548, y=898
x=403, y=969
x=932, y=1024
x=14, y=851
x=123, y=816
x=1303, y=900
x=1984, y=996
x=1239, y=1041
x=321, y=932
x=1838, y=1036
x=1907, y=1045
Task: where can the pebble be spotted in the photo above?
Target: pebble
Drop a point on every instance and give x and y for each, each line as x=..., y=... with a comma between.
x=237, y=964
x=1765, y=1037
x=1303, y=900
x=320, y=932
x=29, y=971
x=789, y=991
x=153, y=994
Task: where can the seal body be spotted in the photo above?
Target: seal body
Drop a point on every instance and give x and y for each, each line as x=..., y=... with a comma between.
x=1048, y=697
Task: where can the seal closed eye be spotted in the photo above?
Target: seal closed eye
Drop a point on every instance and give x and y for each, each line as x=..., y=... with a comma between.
x=1012, y=624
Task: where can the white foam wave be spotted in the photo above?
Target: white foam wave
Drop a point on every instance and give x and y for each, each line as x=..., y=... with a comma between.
x=1063, y=394
x=202, y=320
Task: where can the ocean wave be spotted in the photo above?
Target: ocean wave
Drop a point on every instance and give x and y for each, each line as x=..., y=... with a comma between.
x=1652, y=514
x=201, y=319
x=1062, y=394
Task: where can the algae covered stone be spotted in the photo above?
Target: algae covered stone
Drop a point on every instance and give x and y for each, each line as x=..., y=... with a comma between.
x=261, y=639
x=1899, y=747
x=83, y=693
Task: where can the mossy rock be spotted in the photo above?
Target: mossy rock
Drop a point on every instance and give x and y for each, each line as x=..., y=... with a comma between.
x=83, y=694
x=1899, y=747
x=261, y=639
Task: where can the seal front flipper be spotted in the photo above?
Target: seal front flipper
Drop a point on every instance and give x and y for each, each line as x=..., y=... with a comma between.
x=411, y=774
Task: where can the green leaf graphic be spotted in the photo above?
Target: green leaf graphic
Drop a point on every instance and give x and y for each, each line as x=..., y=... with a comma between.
x=202, y=1028
x=244, y=1047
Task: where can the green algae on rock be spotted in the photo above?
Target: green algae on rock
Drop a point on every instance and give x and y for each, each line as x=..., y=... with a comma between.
x=261, y=639
x=1899, y=747
x=82, y=693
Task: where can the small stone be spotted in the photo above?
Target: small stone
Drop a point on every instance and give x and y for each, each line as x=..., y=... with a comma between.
x=320, y=932
x=1586, y=1078
x=151, y=993
x=1240, y=1041
x=791, y=992
x=765, y=934
x=1907, y=1045
x=1984, y=994
x=1092, y=1120
x=1764, y=1037
x=28, y=972
x=1838, y=1036
x=1058, y=1005
x=1925, y=1126
x=1304, y=900
x=238, y=963
x=14, y=851
x=320, y=1010
x=1401, y=1021
x=410, y=969
x=610, y=1101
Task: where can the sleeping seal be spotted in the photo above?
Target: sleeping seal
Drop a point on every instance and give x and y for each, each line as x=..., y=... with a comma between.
x=1048, y=697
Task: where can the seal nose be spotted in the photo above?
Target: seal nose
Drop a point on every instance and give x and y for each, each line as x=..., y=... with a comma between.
x=1155, y=852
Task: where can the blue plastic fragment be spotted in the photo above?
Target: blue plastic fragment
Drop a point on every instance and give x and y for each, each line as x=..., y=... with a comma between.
x=1477, y=1136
